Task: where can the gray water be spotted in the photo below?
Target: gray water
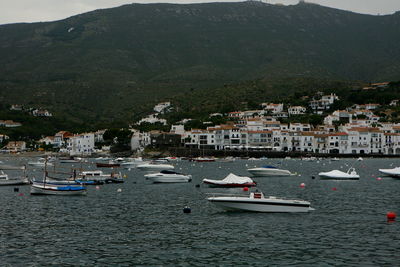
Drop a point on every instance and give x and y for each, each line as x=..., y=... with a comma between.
x=145, y=225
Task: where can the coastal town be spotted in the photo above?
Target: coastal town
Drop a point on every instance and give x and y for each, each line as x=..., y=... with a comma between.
x=354, y=130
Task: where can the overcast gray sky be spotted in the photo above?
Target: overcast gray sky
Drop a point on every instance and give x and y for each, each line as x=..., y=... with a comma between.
x=12, y=11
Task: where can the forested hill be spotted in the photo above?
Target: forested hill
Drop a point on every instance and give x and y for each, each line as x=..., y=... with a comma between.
x=112, y=62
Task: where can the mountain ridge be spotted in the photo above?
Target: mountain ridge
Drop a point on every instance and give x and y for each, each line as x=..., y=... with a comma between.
x=111, y=62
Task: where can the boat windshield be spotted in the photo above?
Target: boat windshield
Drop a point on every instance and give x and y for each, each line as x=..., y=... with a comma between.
x=168, y=172
x=269, y=167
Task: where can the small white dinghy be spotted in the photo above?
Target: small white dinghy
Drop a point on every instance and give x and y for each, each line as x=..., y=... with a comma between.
x=395, y=172
x=258, y=203
x=351, y=174
x=231, y=180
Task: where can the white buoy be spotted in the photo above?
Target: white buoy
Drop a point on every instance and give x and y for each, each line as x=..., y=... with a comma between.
x=119, y=190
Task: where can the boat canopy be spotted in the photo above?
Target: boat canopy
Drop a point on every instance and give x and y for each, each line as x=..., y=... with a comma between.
x=234, y=179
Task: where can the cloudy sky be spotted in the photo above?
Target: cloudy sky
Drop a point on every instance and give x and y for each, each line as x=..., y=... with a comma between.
x=12, y=11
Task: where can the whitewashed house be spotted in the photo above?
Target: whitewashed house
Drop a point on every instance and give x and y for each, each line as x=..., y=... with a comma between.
x=273, y=108
x=296, y=110
x=81, y=144
x=152, y=118
x=162, y=107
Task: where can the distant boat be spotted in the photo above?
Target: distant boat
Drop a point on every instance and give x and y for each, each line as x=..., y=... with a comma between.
x=360, y=159
x=258, y=203
x=351, y=174
x=43, y=188
x=395, y=172
x=40, y=163
x=69, y=160
x=155, y=167
x=5, y=180
x=204, y=159
x=57, y=184
x=167, y=176
x=231, y=180
x=98, y=177
x=110, y=164
x=269, y=171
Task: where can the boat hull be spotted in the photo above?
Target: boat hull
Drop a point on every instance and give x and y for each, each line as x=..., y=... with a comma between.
x=264, y=205
x=327, y=177
x=169, y=179
x=338, y=175
x=261, y=172
x=107, y=165
x=14, y=182
x=228, y=185
x=53, y=190
x=394, y=173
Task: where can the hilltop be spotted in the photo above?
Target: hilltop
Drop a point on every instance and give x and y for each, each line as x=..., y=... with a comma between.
x=114, y=64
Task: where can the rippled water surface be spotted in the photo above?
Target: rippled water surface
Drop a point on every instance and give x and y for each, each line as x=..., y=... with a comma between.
x=144, y=224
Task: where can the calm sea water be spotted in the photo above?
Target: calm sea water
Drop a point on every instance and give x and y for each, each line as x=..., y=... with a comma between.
x=145, y=225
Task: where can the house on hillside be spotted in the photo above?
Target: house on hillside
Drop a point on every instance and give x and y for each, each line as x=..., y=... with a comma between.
x=15, y=146
x=9, y=123
x=17, y=107
x=296, y=110
x=41, y=113
x=81, y=144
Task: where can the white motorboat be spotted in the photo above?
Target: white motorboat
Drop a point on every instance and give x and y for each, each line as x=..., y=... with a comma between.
x=335, y=159
x=395, y=172
x=40, y=163
x=360, y=159
x=166, y=176
x=269, y=171
x=231, y=180
x=6, y=180
x=155, y=167
x=257, y=202
x=351, y=174
x=131, y=163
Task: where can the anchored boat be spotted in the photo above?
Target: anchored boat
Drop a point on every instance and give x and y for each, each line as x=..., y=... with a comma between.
x=269, y=171
x=259, y=203
x=231, y=180
x=351, y=174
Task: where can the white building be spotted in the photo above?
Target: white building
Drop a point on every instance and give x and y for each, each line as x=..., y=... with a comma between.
x=296, y=110
x=162, y=107
x=41, y=113
x=152, y=118
x=273, y=108
x=81, y=144
x=178, y=129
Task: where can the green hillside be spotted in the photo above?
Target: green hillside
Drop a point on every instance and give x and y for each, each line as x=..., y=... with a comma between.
x=114, y=64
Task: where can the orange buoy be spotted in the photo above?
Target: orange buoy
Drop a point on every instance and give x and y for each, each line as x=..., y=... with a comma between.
x=391, y=216
x=334, y=189
x=245, y=189
x=302, y=185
